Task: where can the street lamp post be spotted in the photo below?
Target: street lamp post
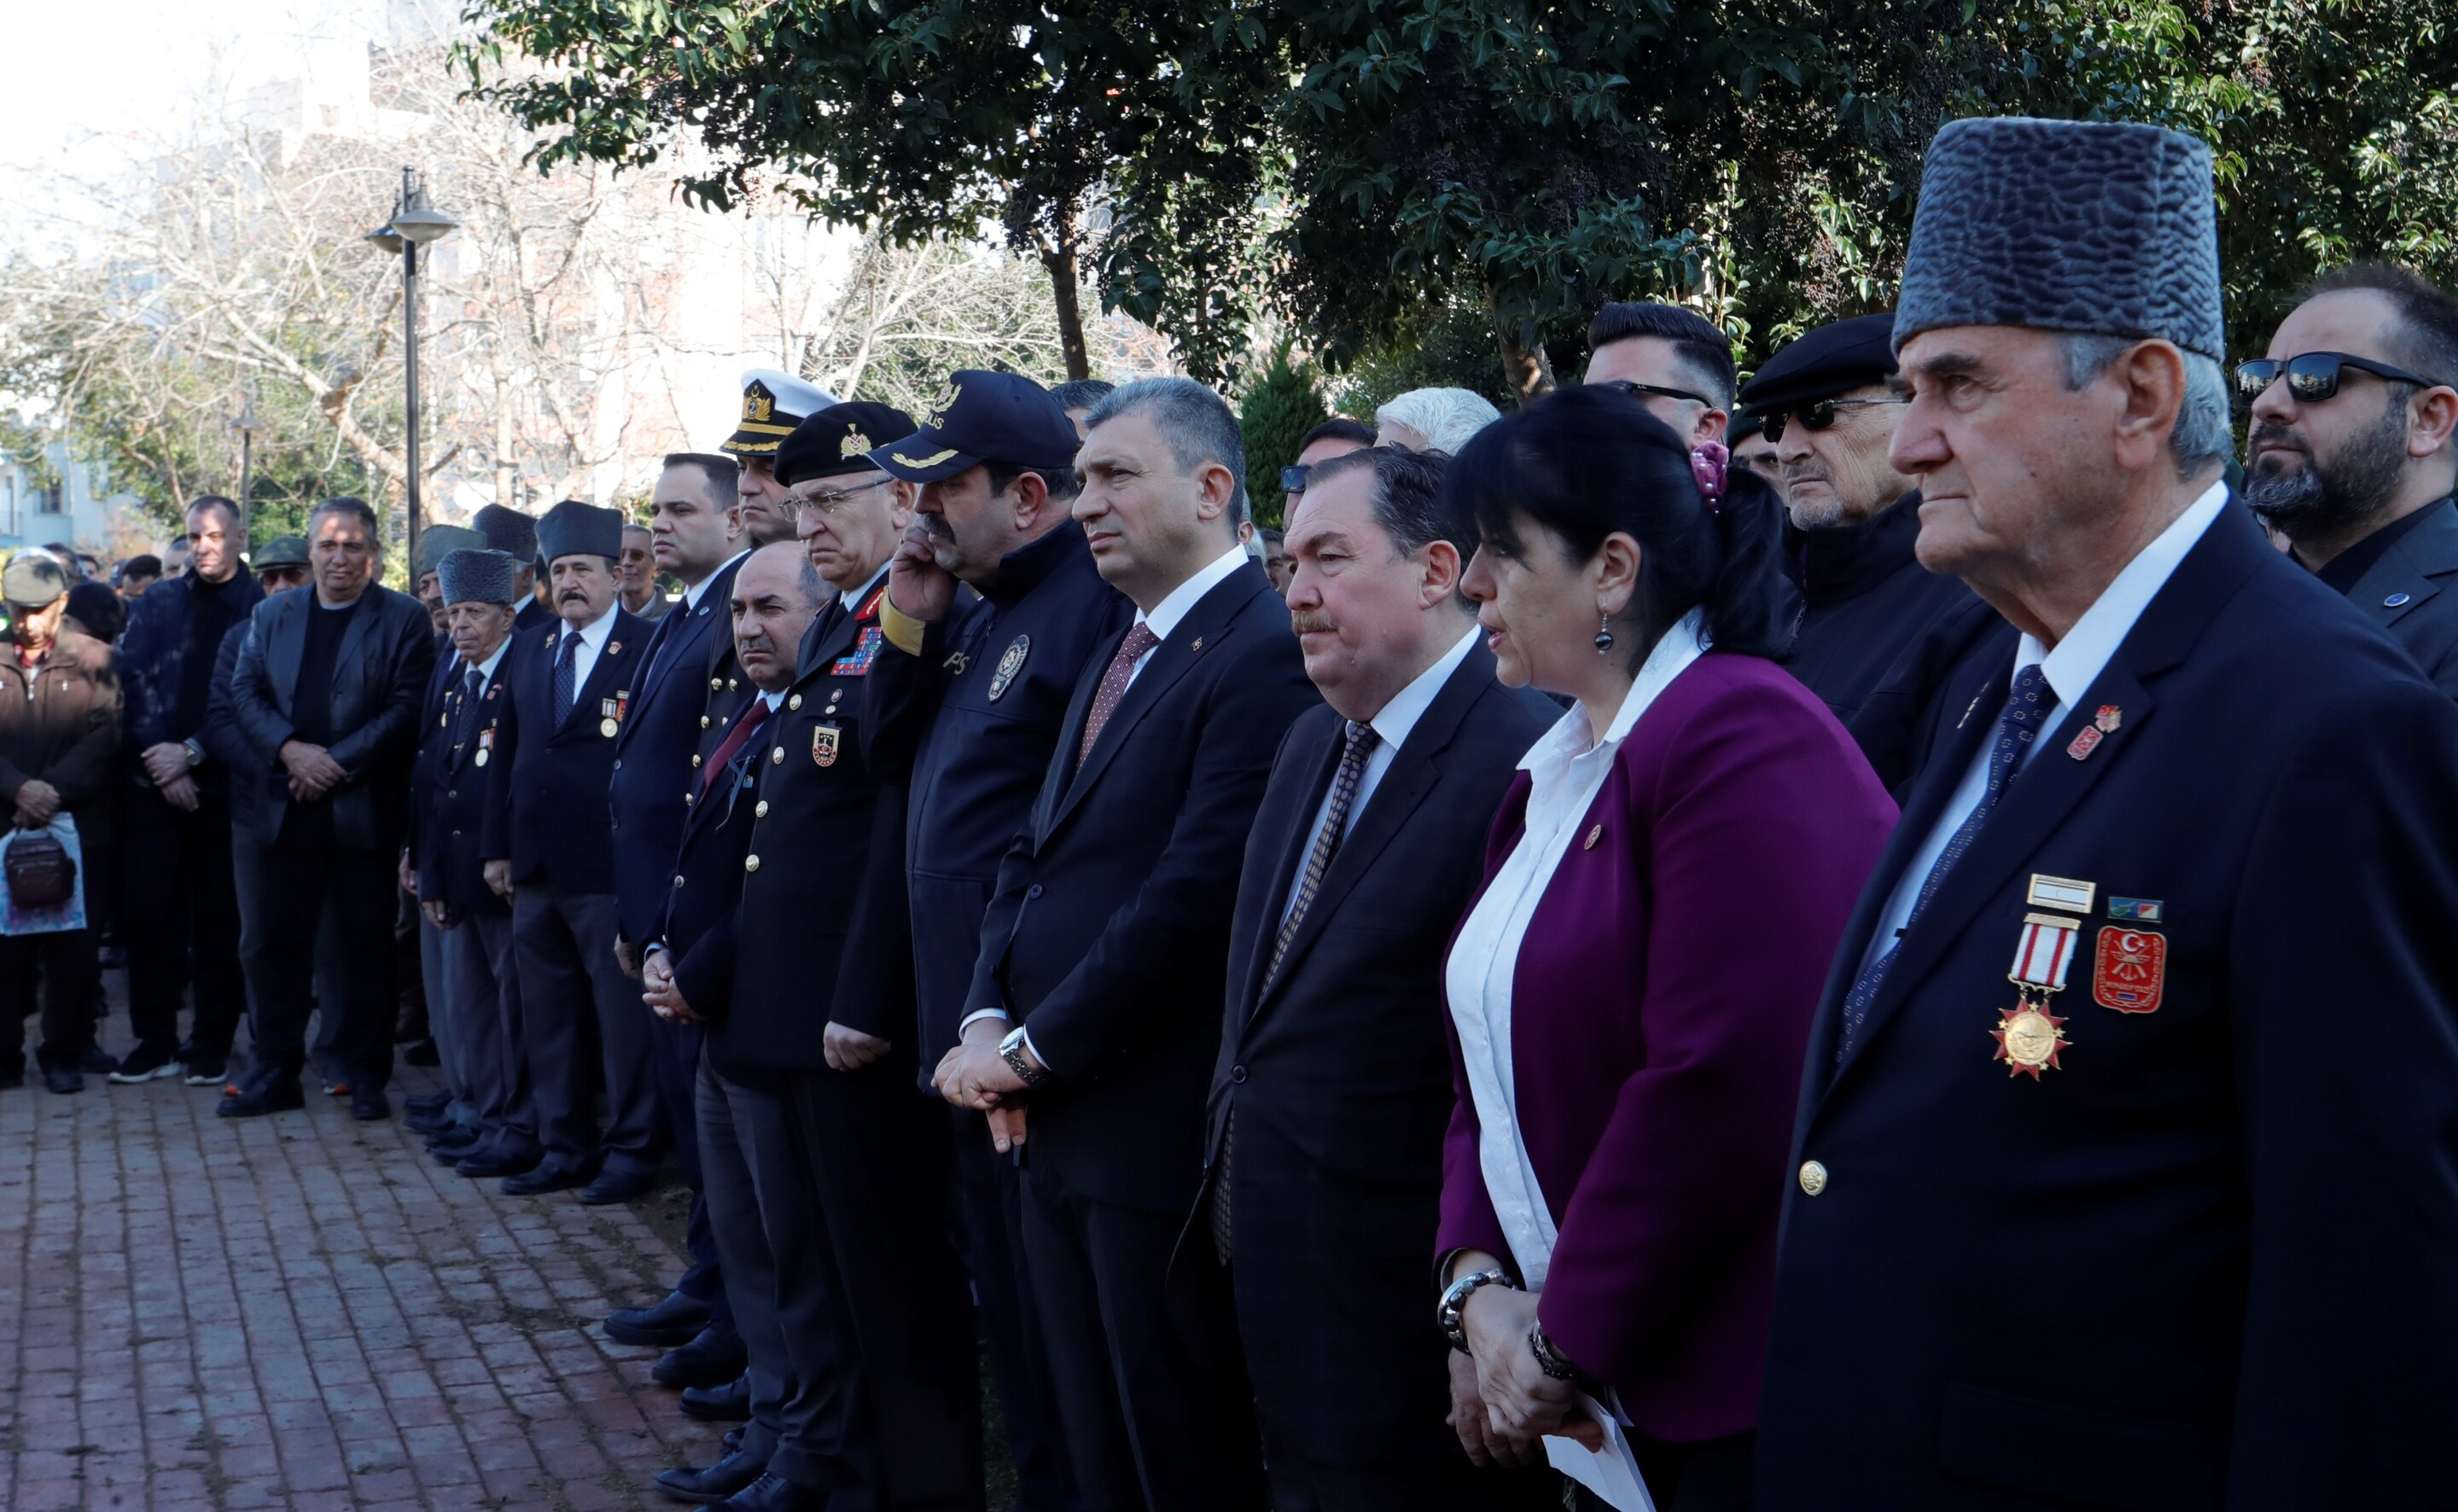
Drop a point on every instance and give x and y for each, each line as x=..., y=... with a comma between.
x=414, y=224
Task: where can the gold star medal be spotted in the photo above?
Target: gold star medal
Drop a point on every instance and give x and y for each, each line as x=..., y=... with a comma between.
x=2029, y=1036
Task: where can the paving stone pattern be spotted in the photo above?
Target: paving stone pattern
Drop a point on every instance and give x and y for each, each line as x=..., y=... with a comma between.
x=304, y=1311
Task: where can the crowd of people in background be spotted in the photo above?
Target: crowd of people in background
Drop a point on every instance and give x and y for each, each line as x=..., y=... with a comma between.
x=1489, y=993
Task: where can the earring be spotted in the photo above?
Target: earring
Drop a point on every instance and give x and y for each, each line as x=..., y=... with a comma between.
x=1604, y=632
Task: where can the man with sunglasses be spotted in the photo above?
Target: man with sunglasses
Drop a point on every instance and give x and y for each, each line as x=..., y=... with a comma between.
x=2350, y=453
x=1336, y=437
x=1822, y=402
x=1670, y=360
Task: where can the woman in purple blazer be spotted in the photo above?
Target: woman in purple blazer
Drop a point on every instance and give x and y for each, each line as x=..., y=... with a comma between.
x=1630, y=994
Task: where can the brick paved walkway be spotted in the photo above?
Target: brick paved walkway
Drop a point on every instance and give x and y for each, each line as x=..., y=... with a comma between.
x=302, y=1312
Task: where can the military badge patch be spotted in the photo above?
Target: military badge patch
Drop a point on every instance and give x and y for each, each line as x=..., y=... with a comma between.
x=865, y=651
x=2131, y=970
x=823, y=745
x=1011, y=662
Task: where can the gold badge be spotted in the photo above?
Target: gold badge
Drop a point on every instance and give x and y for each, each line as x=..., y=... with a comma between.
x=2028, y=1038
x=758, y=404
x=1010, y=663
x=824, y=744
x=854, y=443
x=2028, y=1035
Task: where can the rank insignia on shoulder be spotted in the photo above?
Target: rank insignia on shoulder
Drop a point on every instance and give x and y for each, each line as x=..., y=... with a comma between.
x=2130, y=970
x=824, y=744
x=1010, y=663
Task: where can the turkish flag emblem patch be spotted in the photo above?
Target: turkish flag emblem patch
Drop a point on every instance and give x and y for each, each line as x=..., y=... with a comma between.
x=2131, y=969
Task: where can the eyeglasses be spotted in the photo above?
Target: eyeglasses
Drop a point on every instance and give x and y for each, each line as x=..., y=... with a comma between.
x=2313, y=376
x=1640, y=391
x=829, y=503
x=1293, y=479
x=1814, y=417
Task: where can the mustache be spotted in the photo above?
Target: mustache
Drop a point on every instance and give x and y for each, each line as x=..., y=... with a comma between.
x=747, y=645
x=938, y=528
x=2271, y=432
x=1307, y=624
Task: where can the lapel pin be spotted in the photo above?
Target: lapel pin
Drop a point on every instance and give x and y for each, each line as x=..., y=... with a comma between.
x=1199, y=643
x=2393, y=601
x=1595, y=834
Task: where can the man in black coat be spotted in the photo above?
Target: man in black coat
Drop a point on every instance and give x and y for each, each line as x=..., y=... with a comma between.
x=694, y=534
x=2163, y=1221
x=1106, y=949
x=548, y=848
x=182, y=919
x=1334, y=1081
x=2351, y=456
x=966, y=702
x=1865, y=599
x=328, y=691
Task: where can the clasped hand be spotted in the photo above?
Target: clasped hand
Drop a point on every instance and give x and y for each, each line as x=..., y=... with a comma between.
x=313, y=771
x=1521, y=1403
x=661, y=993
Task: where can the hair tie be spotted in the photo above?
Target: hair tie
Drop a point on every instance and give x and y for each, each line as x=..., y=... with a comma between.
x=1709, y=464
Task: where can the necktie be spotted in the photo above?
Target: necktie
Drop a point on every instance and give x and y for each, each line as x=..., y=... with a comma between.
x=754, y=714
x=471, y=683
x=1362, y=741
x=565, y=664
x=1113, y=686
x=2019, y=724
x=654, y=662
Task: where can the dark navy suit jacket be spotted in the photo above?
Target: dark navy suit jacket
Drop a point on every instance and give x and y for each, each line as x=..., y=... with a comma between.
x=2207, y=1261
x=653, y=749
x=454, y=771
x=547, y=803
x=695, y=916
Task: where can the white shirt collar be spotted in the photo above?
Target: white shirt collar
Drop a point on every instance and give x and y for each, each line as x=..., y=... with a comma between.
x=693, y=594
x=1671, y=657
x=594, y=633
x=1409, y=704
x=1166, y=614
x=773, y=700
x=486, y=667
x=2079, y=658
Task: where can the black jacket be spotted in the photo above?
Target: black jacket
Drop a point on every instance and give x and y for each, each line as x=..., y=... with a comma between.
x=451, y=786
x=178, y=619
x=379, y=692
x=546, y=804
x=653, y=749
x=2407, y=593
x=2203, y=1261
x=983, y=700
x=1109, y=932
x=1340, y=1074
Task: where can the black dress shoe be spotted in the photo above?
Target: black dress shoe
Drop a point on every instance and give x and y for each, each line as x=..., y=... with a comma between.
x=730, y=1403
x=456, y=1143
x=540, y=1181
x=614, y=1186
x=369, y=1105
x=428, y=1102
x=774, y=1493
x=675, y=1319
x=432, y=1122
x=713, y=1357
x=272, y=1094
x=495, y=1163
x=95, y=1060
x=719, y=1481
x=63, y=1078
x=421, y=1053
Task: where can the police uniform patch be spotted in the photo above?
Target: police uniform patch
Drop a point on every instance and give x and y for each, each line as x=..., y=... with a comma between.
x=1011, y=662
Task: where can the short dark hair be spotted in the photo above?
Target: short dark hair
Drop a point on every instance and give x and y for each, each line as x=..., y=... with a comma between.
x=213, y=501
x=1060, y=481
x=723, y=474
x=1588, y=461
x=1339, y=428
x=1409, y=500
x=145, y=563
x=1697, y=344
x=1272, y=536
x=1082, y=393
x=1194, y=422
x=356, y=509
x=2427, y=340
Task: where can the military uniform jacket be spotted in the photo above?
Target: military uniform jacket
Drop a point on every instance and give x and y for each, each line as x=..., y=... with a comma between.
x=820, y=933
x=983, y=700
x=547, y=782
x=653, y=747
x=2206, y=1259
x=456, y=766
x=695, y=917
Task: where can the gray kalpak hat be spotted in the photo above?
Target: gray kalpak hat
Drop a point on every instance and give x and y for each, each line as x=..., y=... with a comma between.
x=506, y=530
x=574, y=528
x=436, y=542
x=474, y=576
x=2100, y=228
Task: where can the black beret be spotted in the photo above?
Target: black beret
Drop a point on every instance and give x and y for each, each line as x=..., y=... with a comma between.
x=1821, y=363
x=837, y=440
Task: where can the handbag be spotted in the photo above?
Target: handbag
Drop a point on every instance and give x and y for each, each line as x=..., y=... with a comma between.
x=40, y=872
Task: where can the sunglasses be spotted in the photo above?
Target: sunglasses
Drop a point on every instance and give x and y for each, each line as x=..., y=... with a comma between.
x=1640, y=391
x=2314, y=376
x=829, y=503
x=1293, y=478
x=1814, y=417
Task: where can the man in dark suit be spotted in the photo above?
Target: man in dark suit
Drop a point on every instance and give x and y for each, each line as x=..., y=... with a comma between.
x=2351, y=455
x=2163, y=1220
x=327, y=692
x=509, y=531
x=694, y=534
x=1334, y=1083
x=1105, y=951
x=966, y=702
x=746, y=1134
x=548, y=848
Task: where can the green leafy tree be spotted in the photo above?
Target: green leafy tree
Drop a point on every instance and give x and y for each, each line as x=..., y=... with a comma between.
x=1279, y=407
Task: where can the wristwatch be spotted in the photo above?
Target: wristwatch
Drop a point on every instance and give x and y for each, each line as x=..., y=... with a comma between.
x=1550, y=1359
x=1447, y=1316
x=196, y=753
x=1011, y=1052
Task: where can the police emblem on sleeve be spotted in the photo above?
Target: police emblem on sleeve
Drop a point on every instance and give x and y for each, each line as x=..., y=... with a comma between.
x=1010, y=663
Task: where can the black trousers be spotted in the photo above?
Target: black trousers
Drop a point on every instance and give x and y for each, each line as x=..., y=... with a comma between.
x=879, y=1165
x=989, y=1206
x=1306, y=1485
x=673, y=1064
x=1151, y=1385
x=180, y=924
x=66, y=968
x=300, y=881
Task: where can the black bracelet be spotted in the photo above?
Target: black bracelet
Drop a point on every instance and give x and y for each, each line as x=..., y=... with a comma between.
x=1549, y=1359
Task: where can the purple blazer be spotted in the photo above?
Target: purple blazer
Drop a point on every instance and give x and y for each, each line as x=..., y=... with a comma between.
x=1661, y=1007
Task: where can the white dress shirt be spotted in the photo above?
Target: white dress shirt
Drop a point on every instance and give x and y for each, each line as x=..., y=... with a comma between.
x=1565, y=772
x=593, y=638
x=1183, y=599
x=698, y=590
x=486, y=667
x=2071, y=668
x=1392, y=725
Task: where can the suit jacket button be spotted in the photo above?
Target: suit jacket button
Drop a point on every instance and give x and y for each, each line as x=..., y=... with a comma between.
x=761, y=811
x=1034, y=891
x=703, y=721
x=695, y=760
x=715, y=683
x=678, y=882
x=751, y=864
x=453, y=792
x=1813, y=1179
x=618, y=763
x=1238, y=1073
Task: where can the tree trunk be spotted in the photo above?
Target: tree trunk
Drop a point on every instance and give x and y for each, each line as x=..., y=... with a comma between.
x=1526, y=369
x=1060, y=261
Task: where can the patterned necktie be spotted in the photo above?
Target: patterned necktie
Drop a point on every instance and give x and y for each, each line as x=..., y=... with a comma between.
x=2017, y=725
x=1113, y=686
x=566, y=662
x=754, y=714
x=468, y=713
x=1344, y=782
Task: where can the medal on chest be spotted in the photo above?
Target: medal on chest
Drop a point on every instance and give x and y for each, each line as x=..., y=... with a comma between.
x=2028, y=1037
x=606, y=726
x=486, y=743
